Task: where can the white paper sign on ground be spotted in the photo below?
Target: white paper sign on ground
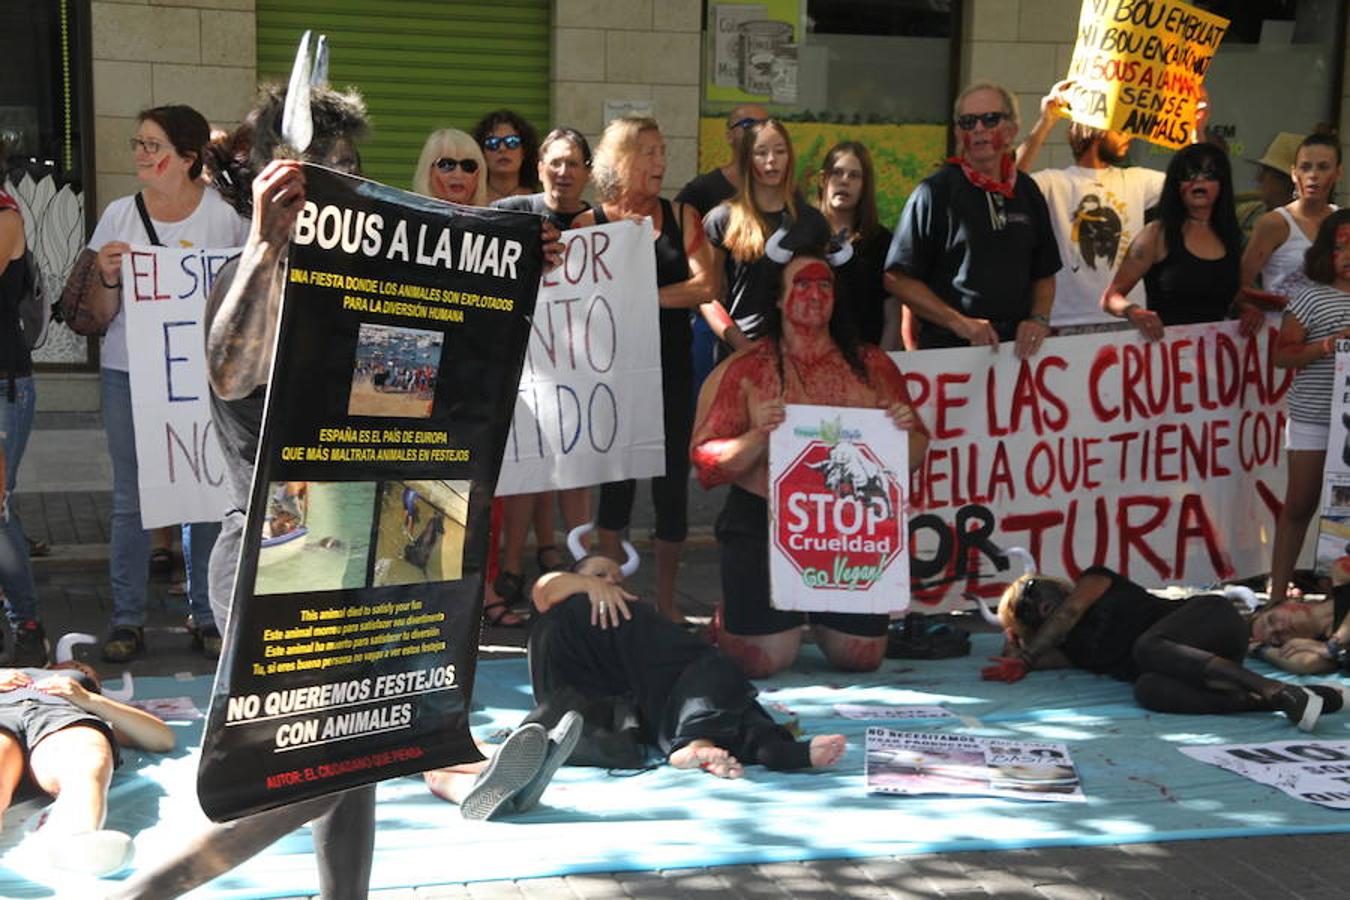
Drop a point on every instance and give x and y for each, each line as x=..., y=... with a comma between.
x=179, y=463
x=589, y=405
x=867, y=712
x=906, y=762
x=838, y=489
x=1310, y=770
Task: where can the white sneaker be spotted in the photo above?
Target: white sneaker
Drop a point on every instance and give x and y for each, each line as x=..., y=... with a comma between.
x=100, y=853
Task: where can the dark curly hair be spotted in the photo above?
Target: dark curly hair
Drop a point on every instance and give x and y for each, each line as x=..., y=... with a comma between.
x=237, y=159
x=529, y=142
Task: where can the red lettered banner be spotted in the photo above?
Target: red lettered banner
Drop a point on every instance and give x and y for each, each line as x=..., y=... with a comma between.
x=1163, y=460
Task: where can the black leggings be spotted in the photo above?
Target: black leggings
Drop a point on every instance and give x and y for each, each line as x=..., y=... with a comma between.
x=670, y=492
x=1177, y=660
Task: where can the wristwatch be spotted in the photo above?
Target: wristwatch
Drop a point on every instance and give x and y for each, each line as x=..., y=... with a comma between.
x=1038, y=317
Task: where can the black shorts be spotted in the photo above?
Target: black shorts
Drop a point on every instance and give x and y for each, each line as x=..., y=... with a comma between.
x=743, y=539
x=32, y=720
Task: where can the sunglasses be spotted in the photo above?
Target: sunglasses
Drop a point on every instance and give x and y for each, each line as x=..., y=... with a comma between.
x=988, y=120
x=1200, y=175
x=446, y=164
x=509, y=141
x=150, y=146
x=748, y=122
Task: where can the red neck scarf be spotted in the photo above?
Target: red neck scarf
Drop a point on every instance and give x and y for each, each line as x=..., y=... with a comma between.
x=1001, y=185
x=6, y=201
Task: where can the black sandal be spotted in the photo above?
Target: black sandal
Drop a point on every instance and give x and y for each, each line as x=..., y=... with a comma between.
x=551, y=551
x=510, y=590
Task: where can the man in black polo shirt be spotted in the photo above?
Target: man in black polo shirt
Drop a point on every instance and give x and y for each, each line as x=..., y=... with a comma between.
x=974, y=256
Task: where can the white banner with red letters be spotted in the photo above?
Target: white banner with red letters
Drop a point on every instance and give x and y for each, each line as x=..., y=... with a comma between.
x=1162, y=460
x=837, y=510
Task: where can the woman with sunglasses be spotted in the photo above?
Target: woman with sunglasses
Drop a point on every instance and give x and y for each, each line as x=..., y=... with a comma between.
x=765, y=200
x=1188, y=257
x=451, y=168
x=846, y=193
x=564, y=171
x=511, y=147
x=630, y=165
x=1183, y=656
x=175, y=208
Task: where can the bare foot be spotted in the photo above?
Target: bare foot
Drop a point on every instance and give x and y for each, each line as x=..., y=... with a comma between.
x=827, y=749
x=711, y=759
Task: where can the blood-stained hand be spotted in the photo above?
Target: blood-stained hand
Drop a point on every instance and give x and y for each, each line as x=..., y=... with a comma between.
x=1005, y=668
x=903, y=416
x=766, y=413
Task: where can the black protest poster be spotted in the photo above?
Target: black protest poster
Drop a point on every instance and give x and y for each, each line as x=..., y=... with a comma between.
x=351, y=647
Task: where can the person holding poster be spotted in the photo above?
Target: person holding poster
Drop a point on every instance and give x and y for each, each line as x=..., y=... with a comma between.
x=1184, y=656
x=1283, y=235
x=1188, y=256
x=1311, y=325
x=593, y=642
x=630, y=165
x=1096, y=207
x=808, y=355
x=174, y=209
x=974, y=255
x=241, y=323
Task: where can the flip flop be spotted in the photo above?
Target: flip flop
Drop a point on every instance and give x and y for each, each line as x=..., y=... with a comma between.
x=562, y=740
x=511, y=768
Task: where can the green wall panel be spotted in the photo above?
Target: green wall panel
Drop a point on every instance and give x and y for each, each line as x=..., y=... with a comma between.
x=420, y=64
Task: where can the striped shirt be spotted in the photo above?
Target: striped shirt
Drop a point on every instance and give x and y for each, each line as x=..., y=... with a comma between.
x=1322, y=311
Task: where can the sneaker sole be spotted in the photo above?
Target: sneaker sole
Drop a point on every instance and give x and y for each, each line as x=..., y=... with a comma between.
x=1311, y=713
x=513, y=765
x=562, y=740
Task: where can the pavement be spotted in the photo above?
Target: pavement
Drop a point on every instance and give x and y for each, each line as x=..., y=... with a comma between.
x=64, y=497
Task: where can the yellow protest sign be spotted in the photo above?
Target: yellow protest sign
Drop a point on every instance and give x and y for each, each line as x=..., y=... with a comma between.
x=1138, y=67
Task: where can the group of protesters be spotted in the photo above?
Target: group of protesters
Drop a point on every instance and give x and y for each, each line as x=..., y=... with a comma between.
x=771, y=292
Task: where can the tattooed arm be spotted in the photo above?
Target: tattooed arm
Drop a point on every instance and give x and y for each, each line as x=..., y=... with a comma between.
x=1041, y=649
x=241, y=314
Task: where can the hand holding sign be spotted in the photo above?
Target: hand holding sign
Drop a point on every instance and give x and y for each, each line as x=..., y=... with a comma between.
x=110, y=262
x=278, y=197
x=766, y=413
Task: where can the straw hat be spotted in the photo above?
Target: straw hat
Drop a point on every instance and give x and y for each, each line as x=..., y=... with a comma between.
x=1281, y=152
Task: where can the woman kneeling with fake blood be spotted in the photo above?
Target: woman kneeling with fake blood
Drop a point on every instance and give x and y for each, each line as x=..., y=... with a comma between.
x=1184, y=656
x=809, y=354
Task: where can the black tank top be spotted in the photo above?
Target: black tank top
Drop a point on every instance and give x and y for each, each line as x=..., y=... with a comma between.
x=1184, y=289
x=15, y=360
x=672, y=267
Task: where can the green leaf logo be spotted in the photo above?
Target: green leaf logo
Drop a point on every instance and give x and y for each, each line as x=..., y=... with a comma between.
x=829, y=431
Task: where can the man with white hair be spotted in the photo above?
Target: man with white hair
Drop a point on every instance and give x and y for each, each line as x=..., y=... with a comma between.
x=974, y=255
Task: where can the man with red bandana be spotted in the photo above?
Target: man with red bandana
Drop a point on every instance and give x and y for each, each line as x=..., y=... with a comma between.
x=974, y=255
x=806, y=355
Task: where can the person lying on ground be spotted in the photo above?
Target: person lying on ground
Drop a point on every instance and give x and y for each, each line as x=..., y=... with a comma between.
x=595, y=642
x=515, y=774
x=61, y=734
x=1307, y=638
x=1184, y=656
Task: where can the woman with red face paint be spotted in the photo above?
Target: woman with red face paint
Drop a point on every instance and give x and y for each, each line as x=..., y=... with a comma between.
x=809, y=354
x=1308, y=332
x=1188, y=257
x=174, y=208
x=630, y=166
x=1282, y=236
x=739, y=229
x=511, y=147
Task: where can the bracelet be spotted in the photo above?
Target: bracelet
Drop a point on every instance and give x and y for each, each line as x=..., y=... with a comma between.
x=1129, y=309
x=116, y=284
x=1038, y=317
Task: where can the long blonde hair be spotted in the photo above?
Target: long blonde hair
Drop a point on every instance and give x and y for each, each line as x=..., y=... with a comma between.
x=609, y=170
x=455, y=144
x=747, y=229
